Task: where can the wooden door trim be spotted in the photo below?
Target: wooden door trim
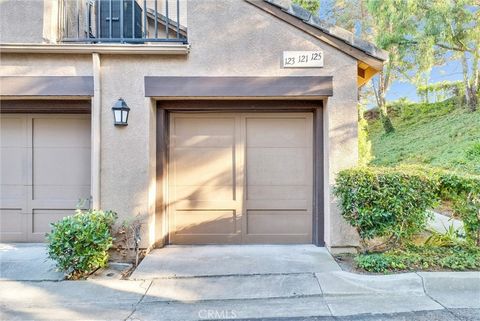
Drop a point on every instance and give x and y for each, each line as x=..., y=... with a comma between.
x=164, y=108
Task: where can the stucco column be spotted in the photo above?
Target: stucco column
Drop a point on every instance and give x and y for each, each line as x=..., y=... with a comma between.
x=340, y=152
x=96, y=114
x=128, y=152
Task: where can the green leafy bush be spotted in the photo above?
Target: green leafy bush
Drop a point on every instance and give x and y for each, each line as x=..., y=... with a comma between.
x=79, y=244
x=464, y=193
x=392, y=202
x=381, y=202
x=415, y=257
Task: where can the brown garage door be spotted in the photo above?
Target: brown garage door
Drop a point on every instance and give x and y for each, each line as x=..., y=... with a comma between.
x=45, y=170
x=240, y=178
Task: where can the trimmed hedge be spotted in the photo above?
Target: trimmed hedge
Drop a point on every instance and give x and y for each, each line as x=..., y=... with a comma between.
x=392, y=203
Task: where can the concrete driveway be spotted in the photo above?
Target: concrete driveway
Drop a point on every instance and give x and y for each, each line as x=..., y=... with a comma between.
x=231, y=260
x=26, y=262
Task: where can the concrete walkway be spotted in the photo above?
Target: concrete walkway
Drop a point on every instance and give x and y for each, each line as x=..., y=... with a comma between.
x=309, y=287
x=27, y=262
x=221, y=260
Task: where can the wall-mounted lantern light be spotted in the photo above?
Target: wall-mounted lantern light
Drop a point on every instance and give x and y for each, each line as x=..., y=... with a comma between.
x=120, y=113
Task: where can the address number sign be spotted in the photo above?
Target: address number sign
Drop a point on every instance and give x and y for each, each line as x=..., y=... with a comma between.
x=302, y=59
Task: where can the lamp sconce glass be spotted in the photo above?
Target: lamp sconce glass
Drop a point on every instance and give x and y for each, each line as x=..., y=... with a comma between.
x=120, y=113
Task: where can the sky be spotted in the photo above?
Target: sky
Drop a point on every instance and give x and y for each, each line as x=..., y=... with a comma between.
x=451, y=71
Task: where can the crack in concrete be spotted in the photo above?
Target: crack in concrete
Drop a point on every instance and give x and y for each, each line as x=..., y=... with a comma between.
x=139, y=301
x=300, y=296
x=434, y=300
x=169, y=277
x=33, y=281
x=323, y=295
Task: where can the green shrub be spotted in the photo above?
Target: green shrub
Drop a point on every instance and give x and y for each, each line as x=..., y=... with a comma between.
x=414, y=257
x=464, y=193
x=392, y=202
x=381, y=202
x=79, y=244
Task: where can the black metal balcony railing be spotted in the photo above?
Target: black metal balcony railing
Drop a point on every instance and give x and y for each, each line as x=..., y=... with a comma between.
x=121, y=21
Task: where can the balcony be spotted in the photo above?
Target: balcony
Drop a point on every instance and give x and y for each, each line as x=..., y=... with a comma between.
x=123, y=21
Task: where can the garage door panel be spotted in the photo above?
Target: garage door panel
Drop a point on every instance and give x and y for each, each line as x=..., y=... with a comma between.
x=276, y=192
x=56, y=133
x=204, y=193
x=279, y=222
x=276, y=166
x=205, y=222
x=13, y=193
x=12, y=225
x=61, y=193
x=204, y=205
x=13, y=131
x=41, y=218
x=277, y=204
x=13, y=163
x=203, y=166
x=61, y=166
x=276, y=132
x=54, y=204
x=204, y=132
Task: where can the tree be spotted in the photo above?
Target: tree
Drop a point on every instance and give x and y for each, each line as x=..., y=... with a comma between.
x=368, y=21
x=393, y=20
x=453, y=26
x=310, y=5
x=441, y=27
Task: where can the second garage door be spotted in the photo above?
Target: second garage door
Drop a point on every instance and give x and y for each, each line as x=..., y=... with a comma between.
x=240, y=178
x=44, y=172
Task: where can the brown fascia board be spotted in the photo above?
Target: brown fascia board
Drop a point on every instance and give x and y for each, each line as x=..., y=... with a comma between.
x=235, y=87
x=77, y=86
x=334, y=36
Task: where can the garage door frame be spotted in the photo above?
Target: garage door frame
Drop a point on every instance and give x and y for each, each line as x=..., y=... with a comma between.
x=164, y=108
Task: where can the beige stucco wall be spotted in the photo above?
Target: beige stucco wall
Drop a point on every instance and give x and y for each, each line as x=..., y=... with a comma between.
x=14, y=64
x=228, y=38
x=21, y=21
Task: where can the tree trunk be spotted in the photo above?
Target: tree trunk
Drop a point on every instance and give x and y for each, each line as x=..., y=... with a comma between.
x=470, y=93
x=386, y=121
x=384, y=117
x=475, y=90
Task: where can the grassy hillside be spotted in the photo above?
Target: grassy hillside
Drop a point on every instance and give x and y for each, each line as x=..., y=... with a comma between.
x=438, y=134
